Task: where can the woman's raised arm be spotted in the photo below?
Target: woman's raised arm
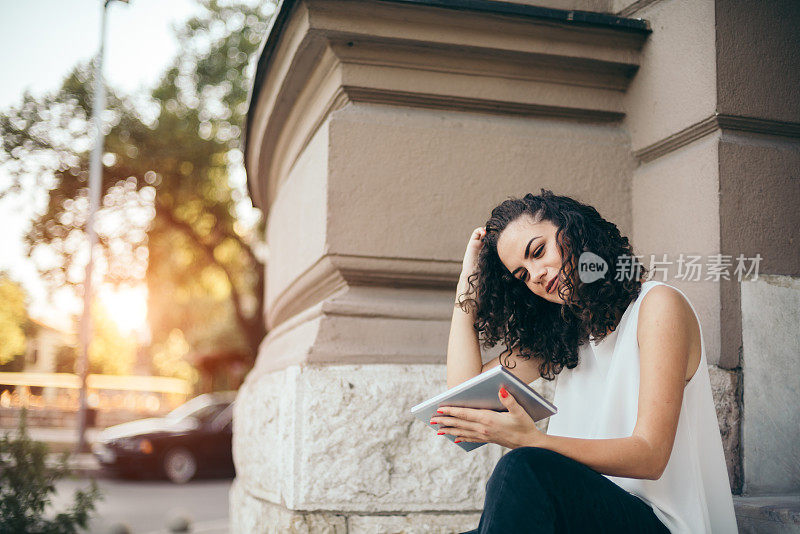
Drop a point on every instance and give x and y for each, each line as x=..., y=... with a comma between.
x=463, y=347
x=464, y=354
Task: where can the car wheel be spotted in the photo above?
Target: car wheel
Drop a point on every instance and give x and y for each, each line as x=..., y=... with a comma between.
x=179, y=465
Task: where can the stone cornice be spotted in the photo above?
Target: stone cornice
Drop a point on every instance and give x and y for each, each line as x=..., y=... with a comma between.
x=526, y=10
x=712, y=124
x=335, y=272
x=327, y=54
x=480, y=105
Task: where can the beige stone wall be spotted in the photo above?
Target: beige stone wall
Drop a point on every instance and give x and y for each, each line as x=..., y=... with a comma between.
x=383, y=133
x=414, y=184
x=758, y=58
x=758, y=54
x=376, y=147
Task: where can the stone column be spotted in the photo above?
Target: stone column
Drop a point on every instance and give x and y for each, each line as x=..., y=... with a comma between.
x=380, y=135
x=714, y=117
x=758, y=81
x=675, y=136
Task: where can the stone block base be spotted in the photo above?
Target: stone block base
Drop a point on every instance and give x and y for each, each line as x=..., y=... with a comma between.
x=252, y=515
x=768, y=515
x=726, y=390
x=249, y=514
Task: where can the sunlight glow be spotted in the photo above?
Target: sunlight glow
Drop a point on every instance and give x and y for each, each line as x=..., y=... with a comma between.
x=127, y=307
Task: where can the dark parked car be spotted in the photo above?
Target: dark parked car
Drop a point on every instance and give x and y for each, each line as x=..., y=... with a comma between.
x=193, y=439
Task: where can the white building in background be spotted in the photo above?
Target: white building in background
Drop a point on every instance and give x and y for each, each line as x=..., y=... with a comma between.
x=44, y=341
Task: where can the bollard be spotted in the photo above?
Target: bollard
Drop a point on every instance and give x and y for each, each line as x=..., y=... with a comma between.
x=119, y=528
x=179, y=521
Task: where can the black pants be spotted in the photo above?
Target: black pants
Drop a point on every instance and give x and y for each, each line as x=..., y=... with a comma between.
x=539, y=490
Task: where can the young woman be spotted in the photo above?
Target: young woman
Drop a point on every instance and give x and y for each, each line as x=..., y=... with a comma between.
x=635, y=445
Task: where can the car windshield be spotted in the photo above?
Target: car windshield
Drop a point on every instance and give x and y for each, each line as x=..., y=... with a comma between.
x=224, y=418
x=202, y=408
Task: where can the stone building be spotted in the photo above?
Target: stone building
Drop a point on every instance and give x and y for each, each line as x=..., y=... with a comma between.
x=381, y=133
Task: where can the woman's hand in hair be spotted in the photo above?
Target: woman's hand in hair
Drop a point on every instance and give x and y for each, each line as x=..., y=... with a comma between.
x=474, y=247
x=510, y=429
x=470, y=264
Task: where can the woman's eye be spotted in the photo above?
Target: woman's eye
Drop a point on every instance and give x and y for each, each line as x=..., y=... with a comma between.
x=538, y=252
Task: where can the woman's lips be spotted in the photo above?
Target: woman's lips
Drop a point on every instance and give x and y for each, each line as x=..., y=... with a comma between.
x=553, y=285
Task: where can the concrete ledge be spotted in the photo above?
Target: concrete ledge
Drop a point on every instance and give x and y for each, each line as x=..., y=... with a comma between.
x=768, y=514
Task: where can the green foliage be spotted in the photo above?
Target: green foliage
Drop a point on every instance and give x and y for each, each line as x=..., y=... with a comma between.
x=13, y=315
x=171, y=207
x=26, y=485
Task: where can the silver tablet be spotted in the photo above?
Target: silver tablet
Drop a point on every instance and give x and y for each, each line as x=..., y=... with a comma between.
x=481, y=392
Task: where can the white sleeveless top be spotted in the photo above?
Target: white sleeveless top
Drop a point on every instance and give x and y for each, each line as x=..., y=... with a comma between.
x=599, y=399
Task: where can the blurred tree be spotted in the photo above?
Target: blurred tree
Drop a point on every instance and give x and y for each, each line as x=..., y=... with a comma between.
x=173, y=185
x=13, y=316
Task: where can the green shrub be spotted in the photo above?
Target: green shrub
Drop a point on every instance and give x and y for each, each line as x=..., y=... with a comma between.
x=26, y=485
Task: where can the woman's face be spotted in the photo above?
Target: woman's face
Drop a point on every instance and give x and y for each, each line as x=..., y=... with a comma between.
x=530, y=253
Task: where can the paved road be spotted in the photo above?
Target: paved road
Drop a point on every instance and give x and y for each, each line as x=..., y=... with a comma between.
x=146, y=505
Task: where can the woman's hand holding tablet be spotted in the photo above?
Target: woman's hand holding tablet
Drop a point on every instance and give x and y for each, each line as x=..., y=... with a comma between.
x=466, y=404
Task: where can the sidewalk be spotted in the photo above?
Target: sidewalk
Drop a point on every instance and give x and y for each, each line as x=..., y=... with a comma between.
x=60, y=440
x=82, y=465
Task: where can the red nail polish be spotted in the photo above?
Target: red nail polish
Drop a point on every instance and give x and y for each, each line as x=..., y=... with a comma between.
x=457, y=441
x=439, y=411
x=503, y=392
x=440, y=433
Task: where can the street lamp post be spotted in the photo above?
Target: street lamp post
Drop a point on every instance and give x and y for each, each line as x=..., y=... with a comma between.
x=95, y=186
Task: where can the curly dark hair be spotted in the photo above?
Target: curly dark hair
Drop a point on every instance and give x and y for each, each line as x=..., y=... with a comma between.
x=507, y=310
